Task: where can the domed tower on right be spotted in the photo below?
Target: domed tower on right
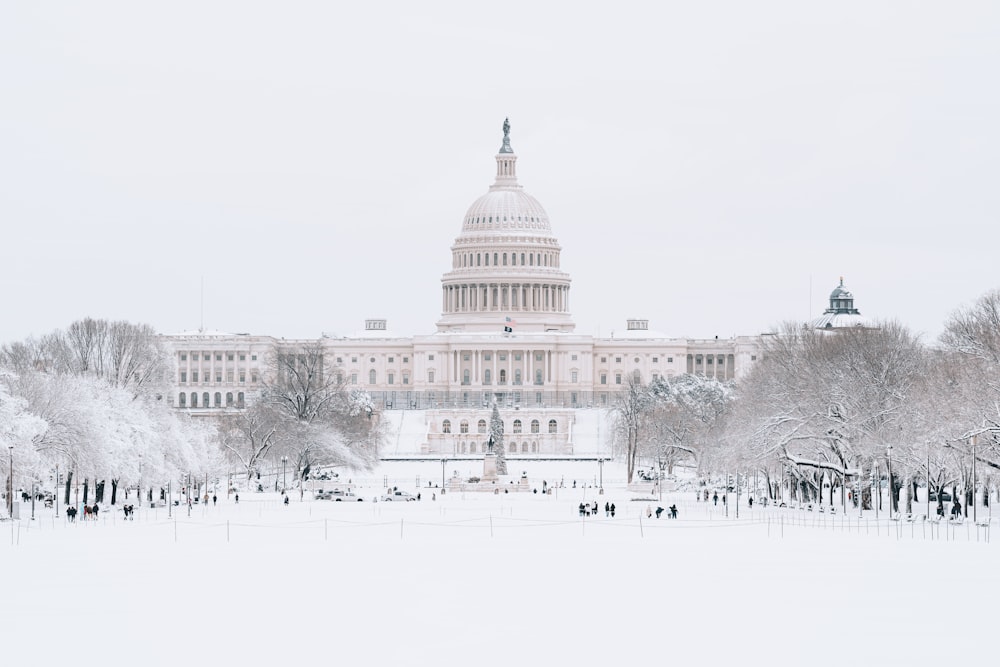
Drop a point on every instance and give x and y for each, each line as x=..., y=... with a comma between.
x=841, y=314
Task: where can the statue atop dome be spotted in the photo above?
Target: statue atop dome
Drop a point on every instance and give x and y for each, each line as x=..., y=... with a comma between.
x=506, y=137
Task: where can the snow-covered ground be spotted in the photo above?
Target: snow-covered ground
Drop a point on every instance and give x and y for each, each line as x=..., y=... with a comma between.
x=493, y=579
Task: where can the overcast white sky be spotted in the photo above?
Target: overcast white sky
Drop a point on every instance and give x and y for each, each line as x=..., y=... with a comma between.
x=702, y=163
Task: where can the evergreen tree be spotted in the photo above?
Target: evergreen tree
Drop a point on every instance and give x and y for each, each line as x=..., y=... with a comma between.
x=496, y=436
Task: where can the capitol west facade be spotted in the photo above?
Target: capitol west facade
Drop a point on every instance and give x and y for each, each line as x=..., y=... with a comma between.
x=505, y=335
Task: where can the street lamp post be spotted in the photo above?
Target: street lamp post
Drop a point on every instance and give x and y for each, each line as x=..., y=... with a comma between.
x=600, y=466
x=10, y=486
x=284, y=460
x=443, y=462
x=975, y=438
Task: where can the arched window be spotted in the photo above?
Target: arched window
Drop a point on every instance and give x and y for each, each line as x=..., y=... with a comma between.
x=466, y=376
x=517, y=376
x=495, y=257
x=472, y=448
x=463, y=427
x=503, y=376
x=531, y=260
x=462, y=448
x=552, y=426
x=636, y=377
x=446, y=426
x=524, y=448
x=206, y=400
x=194, y=399
x=479, y=259
x=522, y=259
x=182, y=400
x=538, y=376
x=517, y=426
x=218, y=399
x=534, y=447
x=229, y=399
x=481, y=426
x=487, y=376
x=239, y=399
x=371, y=376
x=505, y=259
x=534, y=426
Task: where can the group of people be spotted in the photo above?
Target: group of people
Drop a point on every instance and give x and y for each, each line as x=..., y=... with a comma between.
x=89, y=512
x=588, y=509
x=659, y=510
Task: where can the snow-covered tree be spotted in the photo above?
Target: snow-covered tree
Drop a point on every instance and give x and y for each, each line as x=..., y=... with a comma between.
x=686, y=412
x=496, y=437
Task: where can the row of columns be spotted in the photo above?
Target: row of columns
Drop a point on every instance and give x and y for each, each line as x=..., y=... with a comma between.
x=478, y=364
x=505, y=297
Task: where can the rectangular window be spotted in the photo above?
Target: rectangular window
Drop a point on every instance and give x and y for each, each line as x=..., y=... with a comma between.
x=604, y=378
x=538, y=356
x=465, y=357
x=670, y=360
x=218, y=376
x=753, y=357
x=354, y=360
x=392, y=378
x=229, y=376
x=218, y=357
x=503, y=357
x=430, y=376
x=184, y=357
x=229, y=357
x=604, y=360
x=340, y=378
x=618, y=360
x=710, y=360
x=430, y=357
x=406, y=360
x=194, y=376
x=406, y=378
x=207, y=357
x=340, y=360
x=517, y=356
x=243, y=357
x=253, y=357
x=354, y=378
x=487, y=356
x=392, y=359
x=573, y=376
x=573, y=357
x=618, y=378
x=243, y=378
x=184, y=377
x=656, y=360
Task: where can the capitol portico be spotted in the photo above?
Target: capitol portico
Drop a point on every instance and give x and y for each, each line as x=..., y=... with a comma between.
x=505, y=335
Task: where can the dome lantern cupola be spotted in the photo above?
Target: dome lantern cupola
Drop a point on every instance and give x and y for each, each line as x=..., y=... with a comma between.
x=841, y=314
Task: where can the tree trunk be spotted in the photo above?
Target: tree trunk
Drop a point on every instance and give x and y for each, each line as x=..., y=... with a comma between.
x=114, y=491
x=99, y=492
x=86, y=489
x=69, y=484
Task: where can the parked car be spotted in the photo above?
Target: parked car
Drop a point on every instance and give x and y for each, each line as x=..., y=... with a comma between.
x=339, y=495
x=397, y=496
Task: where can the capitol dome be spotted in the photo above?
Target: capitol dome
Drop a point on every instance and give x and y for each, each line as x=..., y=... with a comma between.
x=505, y=274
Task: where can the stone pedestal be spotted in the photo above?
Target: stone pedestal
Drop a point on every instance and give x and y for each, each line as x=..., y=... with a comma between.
x=489, y=468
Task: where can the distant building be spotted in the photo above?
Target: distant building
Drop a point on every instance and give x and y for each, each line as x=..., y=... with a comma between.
x=505, y=336
x=841, y=314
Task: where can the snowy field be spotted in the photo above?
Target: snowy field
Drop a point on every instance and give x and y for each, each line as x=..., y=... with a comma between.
x=490, y=579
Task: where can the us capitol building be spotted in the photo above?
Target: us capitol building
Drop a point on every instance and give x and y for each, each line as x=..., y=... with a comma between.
x=505, y=335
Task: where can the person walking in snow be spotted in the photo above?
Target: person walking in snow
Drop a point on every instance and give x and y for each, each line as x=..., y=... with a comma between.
x=612, y=510
x=659, y=511
x=607, y=509
x=673, y=511
x=715, y=498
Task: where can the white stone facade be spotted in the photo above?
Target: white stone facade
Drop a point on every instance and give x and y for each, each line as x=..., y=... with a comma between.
x=505, y=335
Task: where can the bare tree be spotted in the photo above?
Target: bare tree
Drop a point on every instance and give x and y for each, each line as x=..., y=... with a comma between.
x=634, y=407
